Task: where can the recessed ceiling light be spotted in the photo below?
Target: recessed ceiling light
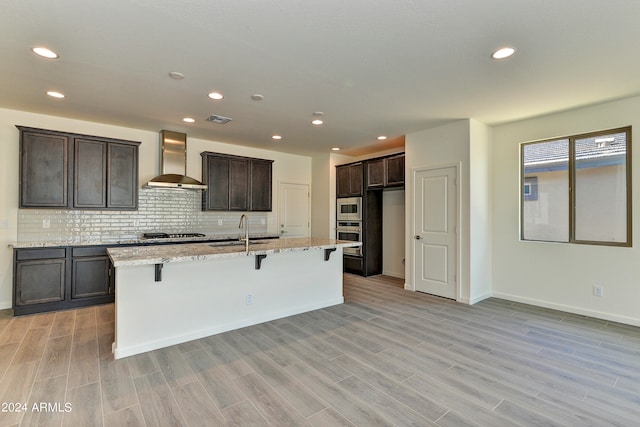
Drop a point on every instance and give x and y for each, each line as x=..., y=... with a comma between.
x=503, y=53
x=188, y=120
x=216, y=95
x=55, y=94
x=335, y=148
x=176, y=75
x=257, y=97
x=316, y=122
x=44, y=52
x=382, y=137
x=277, y=137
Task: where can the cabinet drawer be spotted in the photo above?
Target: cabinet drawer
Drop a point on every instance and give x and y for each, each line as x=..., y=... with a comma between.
x=28, y=254
x=89, y=251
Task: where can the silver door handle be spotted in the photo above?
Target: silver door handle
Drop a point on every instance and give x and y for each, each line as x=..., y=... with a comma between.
x=417, y=237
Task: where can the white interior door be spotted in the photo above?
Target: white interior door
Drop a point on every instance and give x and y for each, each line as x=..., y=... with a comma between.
x=435, y=194
x=294, y=210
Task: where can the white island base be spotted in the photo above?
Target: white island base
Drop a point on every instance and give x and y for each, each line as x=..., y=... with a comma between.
x=195, y=299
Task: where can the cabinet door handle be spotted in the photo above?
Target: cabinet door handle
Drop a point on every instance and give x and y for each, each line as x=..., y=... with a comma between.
x=417, y=237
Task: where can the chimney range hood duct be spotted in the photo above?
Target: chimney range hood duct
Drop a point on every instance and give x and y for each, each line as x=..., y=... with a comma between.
x=174, y=164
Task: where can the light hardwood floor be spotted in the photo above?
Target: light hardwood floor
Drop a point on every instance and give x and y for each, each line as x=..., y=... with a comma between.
x=385, y=357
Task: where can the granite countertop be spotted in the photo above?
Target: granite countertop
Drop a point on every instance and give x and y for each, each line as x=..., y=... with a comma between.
x=101, y=241
x=161, y=254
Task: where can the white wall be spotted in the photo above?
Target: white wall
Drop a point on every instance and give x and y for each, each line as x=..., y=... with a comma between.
x=480, y=223
x=446, y=145
x=559, y=275
x=286, y=167
x=467, y=145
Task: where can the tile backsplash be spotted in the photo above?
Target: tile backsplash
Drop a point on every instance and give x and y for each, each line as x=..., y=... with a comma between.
x=159, y=210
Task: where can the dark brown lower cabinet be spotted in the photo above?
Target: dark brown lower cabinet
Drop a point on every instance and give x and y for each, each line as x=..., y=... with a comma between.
x=91, y=273
x=353, y=264
x=48, y=279
x=46, y=274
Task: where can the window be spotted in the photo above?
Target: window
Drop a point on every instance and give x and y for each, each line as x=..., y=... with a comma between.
x=578, y=189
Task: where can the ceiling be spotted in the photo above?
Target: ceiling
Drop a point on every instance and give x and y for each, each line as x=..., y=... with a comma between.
x=384, y=67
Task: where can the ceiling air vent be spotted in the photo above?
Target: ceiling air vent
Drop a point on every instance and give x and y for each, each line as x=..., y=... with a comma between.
x=218, y=119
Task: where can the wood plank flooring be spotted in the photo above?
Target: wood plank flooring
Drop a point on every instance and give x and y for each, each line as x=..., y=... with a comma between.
x=385, y=357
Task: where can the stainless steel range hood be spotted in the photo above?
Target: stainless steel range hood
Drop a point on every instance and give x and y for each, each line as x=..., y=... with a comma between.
x=174, y=164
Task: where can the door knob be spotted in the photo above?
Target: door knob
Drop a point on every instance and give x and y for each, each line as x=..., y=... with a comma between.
x=417, y=237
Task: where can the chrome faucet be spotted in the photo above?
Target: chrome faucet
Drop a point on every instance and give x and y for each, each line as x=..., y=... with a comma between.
x=244, y=220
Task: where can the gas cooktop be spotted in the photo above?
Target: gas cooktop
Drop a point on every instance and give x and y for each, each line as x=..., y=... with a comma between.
x=170, y=235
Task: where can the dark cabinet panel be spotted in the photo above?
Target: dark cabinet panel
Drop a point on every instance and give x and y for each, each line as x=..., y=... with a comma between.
x=122, y=176
x=89, y=178
x=67, y=170
x=39, y=281
x=44, y=173
x=260, y=185
x=90, y=277
x=349, y=180
x=215, y=173
x=343, y=181
x=236, y=183
x=353, y=264
x=356, y=175
x=375, y=173
x=394, y=171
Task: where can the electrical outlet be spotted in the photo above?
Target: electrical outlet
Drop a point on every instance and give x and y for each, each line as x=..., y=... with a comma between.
x=249, y=299
x=597, y=290
x=46, y=223
x=219, y=221
x=263, y=221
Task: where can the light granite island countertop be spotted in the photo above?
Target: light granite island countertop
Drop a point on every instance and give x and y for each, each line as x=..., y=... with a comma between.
x=170, y=294
x=161, y=254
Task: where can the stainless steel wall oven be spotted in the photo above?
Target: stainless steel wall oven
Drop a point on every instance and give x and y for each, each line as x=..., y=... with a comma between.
x=352, y=231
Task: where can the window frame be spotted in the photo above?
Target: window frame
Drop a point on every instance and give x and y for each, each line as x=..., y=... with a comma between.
x=572, y=194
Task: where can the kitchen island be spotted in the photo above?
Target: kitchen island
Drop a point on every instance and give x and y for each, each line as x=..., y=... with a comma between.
x=171, y=294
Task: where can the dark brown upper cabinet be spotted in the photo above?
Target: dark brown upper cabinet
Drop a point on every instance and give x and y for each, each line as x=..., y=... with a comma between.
x=236, y=183
x=44, y=171
x=385, y=172
x=376, y=173
x=394, y=174
x=349, y=180
x=122, y=176
x=66, y=170
x=260, y=188
x=89, y=173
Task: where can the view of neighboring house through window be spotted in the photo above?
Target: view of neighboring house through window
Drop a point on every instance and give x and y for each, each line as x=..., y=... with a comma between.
x=578, y=189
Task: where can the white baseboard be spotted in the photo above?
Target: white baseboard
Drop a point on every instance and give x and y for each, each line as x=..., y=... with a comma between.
x=570, y=309
x=5, y=304
x=475, y=300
